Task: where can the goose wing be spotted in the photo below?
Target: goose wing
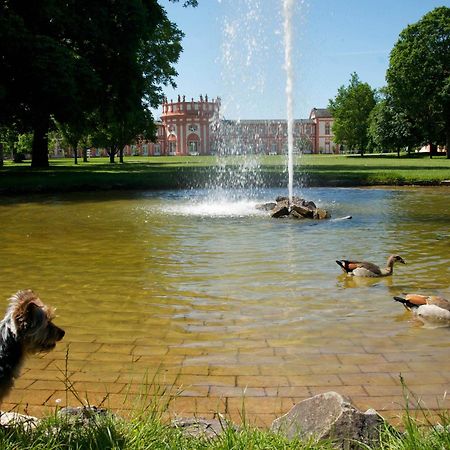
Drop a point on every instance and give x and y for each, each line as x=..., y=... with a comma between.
x=441, y=302
x=349, y=266
x=369, y=266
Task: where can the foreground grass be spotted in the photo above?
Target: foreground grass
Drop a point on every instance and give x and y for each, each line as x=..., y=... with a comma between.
x=200, y=171
x=145, y=428
x=141, y=433
x=147, y=431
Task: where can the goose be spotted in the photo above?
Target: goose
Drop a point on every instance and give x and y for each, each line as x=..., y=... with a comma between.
x=428, y=307
x=367, y=269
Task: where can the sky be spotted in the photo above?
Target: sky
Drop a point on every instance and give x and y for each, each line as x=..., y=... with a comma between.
x=234, y=49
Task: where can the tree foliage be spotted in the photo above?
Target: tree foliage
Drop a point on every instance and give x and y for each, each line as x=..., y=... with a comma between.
x=187, y=2
x=71, y=60
x=390, y=128
x=126, y=116
x=419, y=76
x=351, y=109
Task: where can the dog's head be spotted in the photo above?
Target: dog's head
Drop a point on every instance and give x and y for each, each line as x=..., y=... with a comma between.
x=33, y=322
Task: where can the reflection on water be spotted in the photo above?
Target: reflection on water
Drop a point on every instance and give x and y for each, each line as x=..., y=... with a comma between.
x=175, y=269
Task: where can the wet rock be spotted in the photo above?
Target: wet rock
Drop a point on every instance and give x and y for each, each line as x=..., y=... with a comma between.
x=302, y=210
x=296, y=215
x=299, y=208
x=266, y=206
x=321, y=214
x=310, y=205
x=12, y=419
x=197, y=427
x=330, y=416
x=83, y=414
x=280, y=211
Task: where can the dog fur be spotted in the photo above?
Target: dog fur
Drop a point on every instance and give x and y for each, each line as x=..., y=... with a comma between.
x=26, y=329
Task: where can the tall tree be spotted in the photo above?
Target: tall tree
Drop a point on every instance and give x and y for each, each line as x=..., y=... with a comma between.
x=43, y=70
x=60, y=58
x=390, y=128
x=351, y=109
x=125, y=115
x=419, y=75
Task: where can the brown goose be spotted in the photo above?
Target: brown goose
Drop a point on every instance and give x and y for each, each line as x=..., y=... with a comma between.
x=429, y=307
x=367, y=269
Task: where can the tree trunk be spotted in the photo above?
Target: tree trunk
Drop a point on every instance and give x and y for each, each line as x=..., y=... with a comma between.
x=447, y=142
x=398, y=152
x=121, y=154
x=85, y=158
x=74, y=145
x=39, y=152
x=112, y=154
x=433, y=150
x=1, y=154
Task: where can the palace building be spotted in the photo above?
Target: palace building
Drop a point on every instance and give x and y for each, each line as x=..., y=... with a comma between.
x=189, y=127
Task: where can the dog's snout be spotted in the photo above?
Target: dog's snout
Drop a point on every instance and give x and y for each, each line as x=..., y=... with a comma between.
x=59, y=333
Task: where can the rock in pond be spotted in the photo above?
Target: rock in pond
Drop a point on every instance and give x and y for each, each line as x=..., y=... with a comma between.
x=299, y=208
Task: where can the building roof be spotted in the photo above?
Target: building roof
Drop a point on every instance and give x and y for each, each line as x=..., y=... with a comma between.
x=321, y=113
x=266, y=121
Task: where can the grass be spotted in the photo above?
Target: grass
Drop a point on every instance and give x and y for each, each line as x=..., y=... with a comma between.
x=139, y=433
x=199, y=171
x=146, y=430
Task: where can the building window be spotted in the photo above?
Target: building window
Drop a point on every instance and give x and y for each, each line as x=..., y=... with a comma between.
x=193, y=148
x=274, y=149
x=157, y=149
x=172, y=148
x=327, y=128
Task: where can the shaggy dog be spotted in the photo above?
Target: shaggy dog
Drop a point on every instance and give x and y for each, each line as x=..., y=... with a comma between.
x=26, y=329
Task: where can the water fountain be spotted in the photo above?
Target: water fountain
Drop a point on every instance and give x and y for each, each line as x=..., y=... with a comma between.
x=288, y=13
x=236, y=137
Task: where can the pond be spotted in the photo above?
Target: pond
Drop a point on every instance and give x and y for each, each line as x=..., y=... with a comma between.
x=211, y=300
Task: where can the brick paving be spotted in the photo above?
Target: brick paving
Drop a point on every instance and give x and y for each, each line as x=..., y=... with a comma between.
x=264, y=384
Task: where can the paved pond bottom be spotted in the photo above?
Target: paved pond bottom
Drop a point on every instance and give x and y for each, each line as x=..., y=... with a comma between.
x=203, y=300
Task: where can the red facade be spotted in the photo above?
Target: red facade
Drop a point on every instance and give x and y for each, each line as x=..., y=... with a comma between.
x=195, y=128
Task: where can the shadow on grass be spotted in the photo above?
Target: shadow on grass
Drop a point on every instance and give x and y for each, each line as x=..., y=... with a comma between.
x=166, y=175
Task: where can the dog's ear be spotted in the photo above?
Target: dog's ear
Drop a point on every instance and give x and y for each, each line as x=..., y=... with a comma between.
x=29, y=315
x=34, y=314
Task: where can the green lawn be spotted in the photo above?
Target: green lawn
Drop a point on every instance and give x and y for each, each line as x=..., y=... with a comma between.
x=196, y=171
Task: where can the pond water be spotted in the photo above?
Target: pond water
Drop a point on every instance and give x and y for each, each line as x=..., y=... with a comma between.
x=222, y=297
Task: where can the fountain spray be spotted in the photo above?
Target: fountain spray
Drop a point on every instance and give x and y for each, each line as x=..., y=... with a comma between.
x=288, y=10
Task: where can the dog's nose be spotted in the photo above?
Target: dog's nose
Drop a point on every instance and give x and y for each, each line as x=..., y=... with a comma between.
x=61, y=333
